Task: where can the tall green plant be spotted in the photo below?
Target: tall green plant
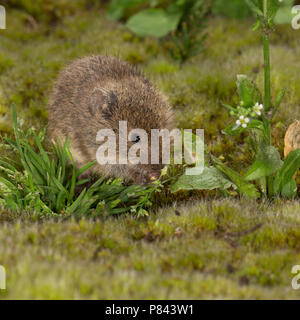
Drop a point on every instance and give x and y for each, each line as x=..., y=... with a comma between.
x=180, y=23
x=254, y=114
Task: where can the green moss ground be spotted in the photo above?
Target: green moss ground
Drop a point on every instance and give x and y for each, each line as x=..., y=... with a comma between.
x=216, y=248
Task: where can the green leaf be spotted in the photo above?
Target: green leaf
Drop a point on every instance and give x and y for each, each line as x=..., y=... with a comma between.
x=267, y=162
x=117, y=8
x=233, y=130
x=244, y=187
x=289, y=168
x=284, y=15
x=211, y=178
x=254, y=8
x=248, y=91
x=230, y=108
x=273, y=7
x=256, y=25
x=289, y=190
x=278, y=101
x=85, y=168
x=153, y=22
x=76, y=203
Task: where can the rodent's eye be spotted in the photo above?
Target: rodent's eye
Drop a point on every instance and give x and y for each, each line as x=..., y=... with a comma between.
x=136, y=139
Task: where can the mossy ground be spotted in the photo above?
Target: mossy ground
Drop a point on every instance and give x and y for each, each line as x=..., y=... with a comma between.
x=215, y=248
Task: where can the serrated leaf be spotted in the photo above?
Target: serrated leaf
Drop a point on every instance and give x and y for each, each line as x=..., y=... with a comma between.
x=211, y=178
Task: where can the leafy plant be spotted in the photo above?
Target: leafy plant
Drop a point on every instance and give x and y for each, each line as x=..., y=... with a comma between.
x=180, y=23
x=254, y=114
x=154, y=22
x=45, y=182
x=188, y=39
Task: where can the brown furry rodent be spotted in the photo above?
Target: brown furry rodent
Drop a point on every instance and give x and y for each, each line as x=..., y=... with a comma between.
x=97, y=92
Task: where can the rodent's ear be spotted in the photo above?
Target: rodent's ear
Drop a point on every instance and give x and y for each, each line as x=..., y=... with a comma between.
x=104, y=101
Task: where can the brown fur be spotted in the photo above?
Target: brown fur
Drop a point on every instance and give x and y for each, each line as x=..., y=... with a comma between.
x=97, y=92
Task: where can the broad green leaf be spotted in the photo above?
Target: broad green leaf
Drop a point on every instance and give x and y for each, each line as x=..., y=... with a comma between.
x=153, y=22
x=267, y=162
x=245, y=188
x=284, y=15
x=211, y=178
x=289, y=168
x=289, y=190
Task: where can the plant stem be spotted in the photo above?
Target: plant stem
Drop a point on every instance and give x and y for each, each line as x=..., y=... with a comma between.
x=267, y=66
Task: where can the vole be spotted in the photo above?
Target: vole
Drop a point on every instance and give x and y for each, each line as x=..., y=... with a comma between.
x=96, y=92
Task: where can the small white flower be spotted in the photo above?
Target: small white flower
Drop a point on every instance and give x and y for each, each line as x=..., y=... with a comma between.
x=257, y=108
x=242, y=121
